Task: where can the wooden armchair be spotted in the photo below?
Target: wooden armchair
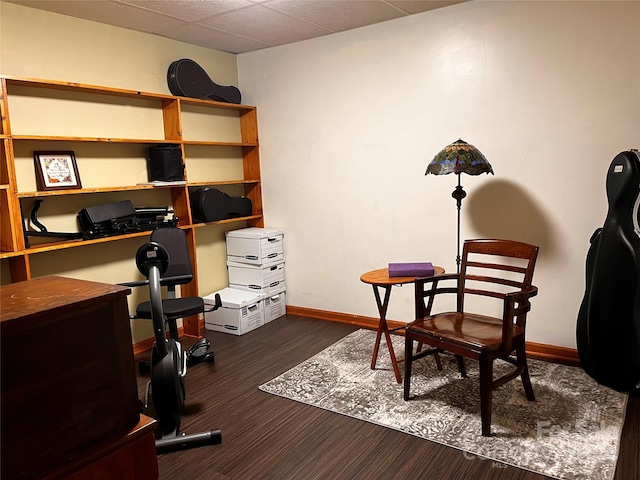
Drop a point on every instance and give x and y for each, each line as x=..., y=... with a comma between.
x=493, y=269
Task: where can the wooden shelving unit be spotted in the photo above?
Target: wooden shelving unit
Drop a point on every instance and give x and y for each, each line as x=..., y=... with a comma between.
x=110, y=130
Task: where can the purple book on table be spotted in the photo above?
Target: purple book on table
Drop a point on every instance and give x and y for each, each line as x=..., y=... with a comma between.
x=415, y=269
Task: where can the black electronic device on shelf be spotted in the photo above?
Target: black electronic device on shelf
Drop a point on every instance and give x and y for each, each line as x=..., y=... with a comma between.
x=122, y=217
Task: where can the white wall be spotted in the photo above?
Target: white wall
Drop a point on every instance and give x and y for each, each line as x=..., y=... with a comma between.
x=548, y=91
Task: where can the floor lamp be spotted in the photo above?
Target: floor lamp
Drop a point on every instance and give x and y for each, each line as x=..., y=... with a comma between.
x=459, y=157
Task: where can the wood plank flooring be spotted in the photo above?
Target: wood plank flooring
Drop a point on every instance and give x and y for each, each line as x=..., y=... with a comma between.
x=268, y=437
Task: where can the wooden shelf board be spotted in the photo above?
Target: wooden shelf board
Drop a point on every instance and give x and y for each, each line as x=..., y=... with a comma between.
x=230, y=106
x=229, y=220
x=118, y=92
x=222, y=182
x=219, y=144
x=80, y=191
x=4, y=255
x=44, y=138
x=83, y=88
x=48, y=247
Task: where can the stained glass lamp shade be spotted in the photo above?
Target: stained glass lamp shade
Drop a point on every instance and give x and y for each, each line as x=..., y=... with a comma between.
x=459, y=157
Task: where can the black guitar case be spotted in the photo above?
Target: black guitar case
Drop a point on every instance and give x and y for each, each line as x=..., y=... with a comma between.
x=608, y=326
x=212, y=205
x=188, y=79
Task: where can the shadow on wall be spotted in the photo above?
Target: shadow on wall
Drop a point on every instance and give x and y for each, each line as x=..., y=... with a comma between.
x=501, y=209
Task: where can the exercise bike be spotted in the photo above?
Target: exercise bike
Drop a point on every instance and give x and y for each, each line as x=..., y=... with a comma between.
x=169, y=361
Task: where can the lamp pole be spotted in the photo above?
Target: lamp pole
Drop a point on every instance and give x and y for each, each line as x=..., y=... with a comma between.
x=458, y=194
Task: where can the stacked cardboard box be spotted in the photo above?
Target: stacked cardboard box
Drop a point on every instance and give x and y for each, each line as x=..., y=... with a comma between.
x=257, y=291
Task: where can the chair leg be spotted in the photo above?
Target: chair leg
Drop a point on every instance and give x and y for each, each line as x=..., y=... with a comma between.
x=408, y=360
x=438, y=361
x=461, y=367
x=486, y=380
x=521, y=355
x=436, y=356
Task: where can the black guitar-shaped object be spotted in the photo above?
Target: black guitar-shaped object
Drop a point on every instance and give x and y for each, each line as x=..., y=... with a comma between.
x=608, y=326
x=212, y=205
x=188, y=79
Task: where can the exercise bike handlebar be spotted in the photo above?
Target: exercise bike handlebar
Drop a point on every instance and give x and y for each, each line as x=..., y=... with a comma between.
x=157, y=314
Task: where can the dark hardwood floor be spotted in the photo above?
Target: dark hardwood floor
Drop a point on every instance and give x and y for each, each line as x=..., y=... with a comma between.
x=268, y=437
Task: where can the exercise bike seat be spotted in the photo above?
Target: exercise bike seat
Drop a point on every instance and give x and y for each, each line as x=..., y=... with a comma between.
x=174, y=308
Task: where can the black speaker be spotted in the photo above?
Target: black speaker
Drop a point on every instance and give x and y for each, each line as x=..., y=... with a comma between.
x=165, y=164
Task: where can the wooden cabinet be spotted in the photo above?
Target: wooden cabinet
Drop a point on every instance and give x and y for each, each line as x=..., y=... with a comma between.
x=69, y=389
x=110, y=130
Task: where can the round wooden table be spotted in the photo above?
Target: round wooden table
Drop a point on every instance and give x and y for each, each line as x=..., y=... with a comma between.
x=380, y=279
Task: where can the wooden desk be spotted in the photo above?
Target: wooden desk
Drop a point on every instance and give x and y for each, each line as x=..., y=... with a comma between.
x=380, y=279
x=68, y=374
x=128, y=457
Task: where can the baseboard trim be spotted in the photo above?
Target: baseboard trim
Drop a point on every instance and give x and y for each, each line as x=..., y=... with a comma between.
x=553, y=353
x=540, y=351
x=144, y=346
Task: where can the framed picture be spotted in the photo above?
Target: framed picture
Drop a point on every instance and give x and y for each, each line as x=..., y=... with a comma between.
x=56, y=170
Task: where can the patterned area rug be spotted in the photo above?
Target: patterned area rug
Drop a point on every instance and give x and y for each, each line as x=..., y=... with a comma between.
x=571, y=431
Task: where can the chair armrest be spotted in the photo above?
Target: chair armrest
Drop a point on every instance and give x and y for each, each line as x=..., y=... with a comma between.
x=521, y=296
x=521, y=299
x=519, y=313
x=422, y=291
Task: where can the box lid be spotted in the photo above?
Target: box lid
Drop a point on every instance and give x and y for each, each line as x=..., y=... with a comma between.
x=275, y=292
x=255, y=232
x=250, y=266
x=234, y=297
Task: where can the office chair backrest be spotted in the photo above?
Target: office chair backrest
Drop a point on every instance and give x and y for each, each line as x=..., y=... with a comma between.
x=174, y=240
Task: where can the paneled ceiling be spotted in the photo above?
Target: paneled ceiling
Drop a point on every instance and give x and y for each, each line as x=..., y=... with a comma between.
x=238, y=26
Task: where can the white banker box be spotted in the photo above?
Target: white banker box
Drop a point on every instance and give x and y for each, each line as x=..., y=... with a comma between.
x=274, y=305
x=261, y=279
x=241, y=312
x=255, y=246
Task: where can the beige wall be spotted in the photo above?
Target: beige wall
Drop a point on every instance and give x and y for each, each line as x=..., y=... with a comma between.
x=548, y=91
x=40, y=44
